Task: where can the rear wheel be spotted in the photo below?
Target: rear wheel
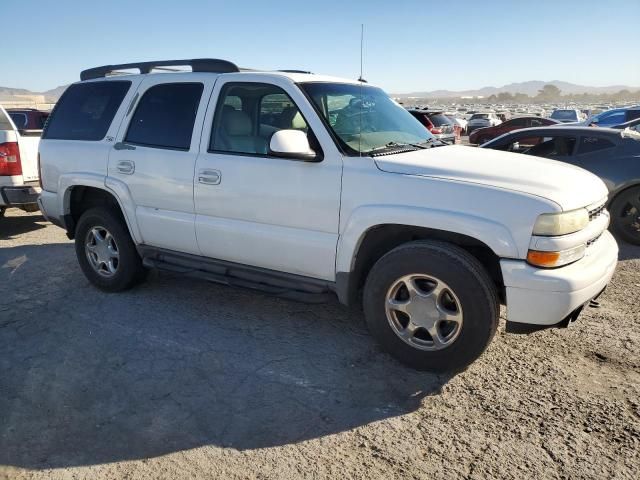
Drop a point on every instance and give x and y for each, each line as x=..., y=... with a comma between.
x=105, y=251
x=625, y=215
x=431, y=305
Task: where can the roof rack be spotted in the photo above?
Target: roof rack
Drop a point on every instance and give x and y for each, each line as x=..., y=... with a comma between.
x=212, y=65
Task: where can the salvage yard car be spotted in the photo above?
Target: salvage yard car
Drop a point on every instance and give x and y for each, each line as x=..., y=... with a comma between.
x=613, y=155
x=18, y=164
x=300, y=185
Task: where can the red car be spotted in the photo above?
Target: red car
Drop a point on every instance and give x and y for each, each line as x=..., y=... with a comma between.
x=28, y=118
x=483, y=135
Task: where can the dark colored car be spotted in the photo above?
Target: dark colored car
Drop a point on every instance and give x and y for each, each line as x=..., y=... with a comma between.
x=632, y=124
x=613, y=155
x=483, y=135
x=440, y=126
x=615, y=117
x=28, y=118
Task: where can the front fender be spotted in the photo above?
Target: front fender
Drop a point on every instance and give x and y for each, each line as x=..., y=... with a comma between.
x=495, y=235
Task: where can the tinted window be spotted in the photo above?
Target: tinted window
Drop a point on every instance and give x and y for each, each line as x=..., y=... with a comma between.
x=564, y=115
x=19, y=119
x=165, y=116
x=479, y=115
x=517, y=122
x=86, y=110
x=550, y=147
x=264, y=109
x=538, y=122
x=593, y=144
x=612, y=119
x=439, y=120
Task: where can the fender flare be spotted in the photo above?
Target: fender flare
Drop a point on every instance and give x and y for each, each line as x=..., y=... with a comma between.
x=115, y=188
x=495, y=235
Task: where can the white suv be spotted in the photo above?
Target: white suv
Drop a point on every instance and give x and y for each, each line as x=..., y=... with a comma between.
x=299, y=184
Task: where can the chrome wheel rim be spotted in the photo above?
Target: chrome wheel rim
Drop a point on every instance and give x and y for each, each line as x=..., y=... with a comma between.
x=102, y=252
x=424, y=312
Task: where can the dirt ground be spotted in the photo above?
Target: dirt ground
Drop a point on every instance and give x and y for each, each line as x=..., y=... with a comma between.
x=180, y=378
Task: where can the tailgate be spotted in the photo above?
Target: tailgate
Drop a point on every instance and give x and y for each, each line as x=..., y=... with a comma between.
x=29, y=156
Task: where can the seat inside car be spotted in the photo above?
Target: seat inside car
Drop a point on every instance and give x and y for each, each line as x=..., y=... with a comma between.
x=236, y=133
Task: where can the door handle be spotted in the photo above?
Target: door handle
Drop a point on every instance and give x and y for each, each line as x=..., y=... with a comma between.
x=123, y=146
x=126, y=167
x=209, y=177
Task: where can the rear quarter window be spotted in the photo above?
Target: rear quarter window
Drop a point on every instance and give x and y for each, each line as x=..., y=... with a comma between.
x=86, y=111
x=593, y=144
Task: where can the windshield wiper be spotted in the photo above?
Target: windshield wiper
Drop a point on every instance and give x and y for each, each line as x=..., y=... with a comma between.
x=395, y=145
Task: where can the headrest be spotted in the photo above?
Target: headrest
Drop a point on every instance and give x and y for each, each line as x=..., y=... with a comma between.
x=298, y=122
x=236, y=122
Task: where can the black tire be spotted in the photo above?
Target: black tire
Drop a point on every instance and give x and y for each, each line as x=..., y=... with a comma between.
x=467, y=279
x=129, y=269
x=625, y=215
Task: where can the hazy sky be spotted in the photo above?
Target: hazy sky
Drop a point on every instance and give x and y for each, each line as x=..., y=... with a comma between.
x=409, y=45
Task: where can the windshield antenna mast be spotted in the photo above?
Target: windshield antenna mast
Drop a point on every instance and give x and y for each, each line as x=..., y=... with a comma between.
x=361, y=79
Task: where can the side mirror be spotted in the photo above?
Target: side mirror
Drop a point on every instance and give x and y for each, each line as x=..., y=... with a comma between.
x=291, y=144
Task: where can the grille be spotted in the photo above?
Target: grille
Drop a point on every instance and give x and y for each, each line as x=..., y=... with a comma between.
x=593, y=240
x=596, y=212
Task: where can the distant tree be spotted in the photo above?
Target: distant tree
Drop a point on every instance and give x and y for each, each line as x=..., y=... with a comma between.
x=548, y=93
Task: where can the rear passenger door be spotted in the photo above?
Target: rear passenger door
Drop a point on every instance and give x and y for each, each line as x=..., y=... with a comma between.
x=260, y=210
x=154, y=157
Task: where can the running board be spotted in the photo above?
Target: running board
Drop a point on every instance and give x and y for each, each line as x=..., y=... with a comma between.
x=279, y=284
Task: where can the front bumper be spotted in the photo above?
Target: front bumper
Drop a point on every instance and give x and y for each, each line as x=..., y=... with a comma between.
x=547, y=296
x=19, y=195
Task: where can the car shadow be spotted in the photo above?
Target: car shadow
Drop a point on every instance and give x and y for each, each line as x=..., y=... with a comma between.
x=88, y=377
x=13, y=226
x=628, y=251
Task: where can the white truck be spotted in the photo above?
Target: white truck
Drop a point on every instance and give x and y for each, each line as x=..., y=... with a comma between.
x=300, y=185
x=18, y=165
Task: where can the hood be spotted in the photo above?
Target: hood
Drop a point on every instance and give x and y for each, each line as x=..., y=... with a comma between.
x=567, y=185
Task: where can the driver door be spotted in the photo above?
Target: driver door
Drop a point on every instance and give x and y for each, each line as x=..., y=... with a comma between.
x=256, y=209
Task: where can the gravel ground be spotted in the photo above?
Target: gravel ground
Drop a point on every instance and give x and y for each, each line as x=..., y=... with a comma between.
x=181, y=378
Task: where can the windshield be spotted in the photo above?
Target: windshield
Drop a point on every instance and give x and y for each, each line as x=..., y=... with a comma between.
x=364, y=118
x=477, y=116
x=564, y=115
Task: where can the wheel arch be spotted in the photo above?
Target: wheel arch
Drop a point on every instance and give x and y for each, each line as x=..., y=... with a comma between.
x=80, y=197
x=381, y=238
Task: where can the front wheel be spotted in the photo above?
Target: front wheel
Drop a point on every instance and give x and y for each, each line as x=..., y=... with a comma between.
x=625, y=215
x=105, y=251
x=431, y=305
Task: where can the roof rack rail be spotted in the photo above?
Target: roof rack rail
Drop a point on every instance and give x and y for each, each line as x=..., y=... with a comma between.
x=212, y=65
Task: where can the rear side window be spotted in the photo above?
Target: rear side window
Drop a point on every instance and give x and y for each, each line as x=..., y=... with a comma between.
x=165, y=116
x=85, y=111
x=19, y=120
x=593, y=144
x=439, y=120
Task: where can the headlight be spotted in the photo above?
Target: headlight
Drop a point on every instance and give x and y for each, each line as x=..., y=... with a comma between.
x=555, y=224
x=555, y=259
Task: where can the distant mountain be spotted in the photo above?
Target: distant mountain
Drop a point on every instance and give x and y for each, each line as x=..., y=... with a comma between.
x=8, y=94
x=529, y=88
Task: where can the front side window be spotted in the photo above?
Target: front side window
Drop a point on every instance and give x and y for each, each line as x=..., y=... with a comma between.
x=551, y=147
x=248, y=114
x=364, y=119
x=165, y=116
x=85, y=111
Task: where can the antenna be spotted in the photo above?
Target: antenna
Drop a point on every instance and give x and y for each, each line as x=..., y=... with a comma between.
x=361, y=79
